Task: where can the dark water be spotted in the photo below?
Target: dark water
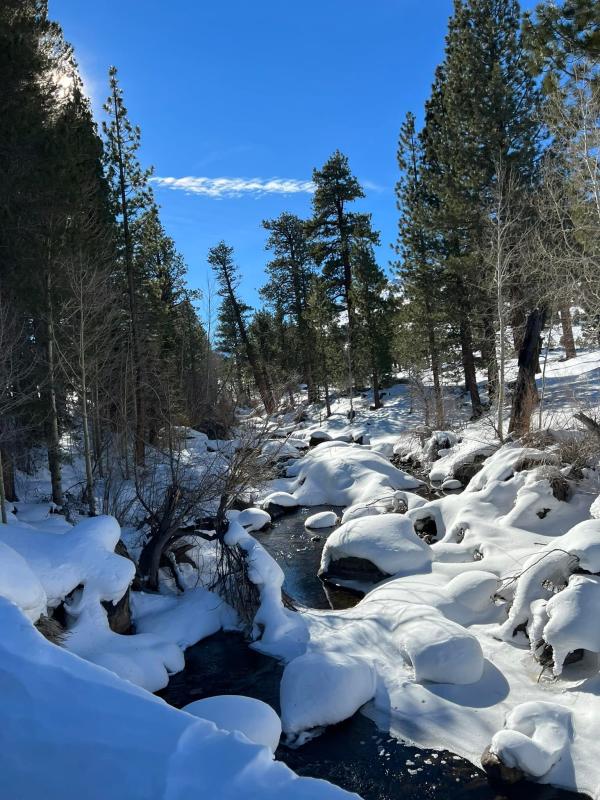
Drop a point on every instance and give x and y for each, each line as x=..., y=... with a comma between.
x=355, y=754
x=298, y=552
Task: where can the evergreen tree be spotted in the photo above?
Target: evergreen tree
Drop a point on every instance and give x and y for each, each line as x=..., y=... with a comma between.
x=220, y=259
x=335, y=229
x=482, y=113
x=419, y=269
x=289, y=274
x=374, y=316
x=130, y=196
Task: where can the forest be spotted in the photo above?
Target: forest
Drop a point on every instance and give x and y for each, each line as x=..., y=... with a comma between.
x=384, y=478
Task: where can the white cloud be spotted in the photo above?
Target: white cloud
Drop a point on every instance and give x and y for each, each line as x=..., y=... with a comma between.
x=234, y=187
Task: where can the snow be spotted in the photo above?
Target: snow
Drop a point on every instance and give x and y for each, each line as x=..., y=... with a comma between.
x=272, y=622
x=535, y=737
x=336, y=685
x=386, y=540
x=83, y=555
x=20, y=584
x=283, y=499
x=342, y=474
x=323, y=519
x=254, y=719
x=252, y=519
x=71, y=729
x=573, y=617
x=184, y=619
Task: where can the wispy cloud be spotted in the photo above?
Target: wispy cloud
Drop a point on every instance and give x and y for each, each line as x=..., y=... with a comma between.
x=234, y=187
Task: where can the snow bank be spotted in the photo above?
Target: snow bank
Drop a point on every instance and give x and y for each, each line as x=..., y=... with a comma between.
x=20, y=584
x=272, y=622
x=71, y=729
x=231, y=712
x=336, y=685
x=386, y=540
x=253, y=519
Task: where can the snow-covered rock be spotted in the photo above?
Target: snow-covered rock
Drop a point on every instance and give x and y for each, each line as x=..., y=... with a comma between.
x=231, y=712
x=254, y=519
x=387, y=540
x=340, y=474
x=337, y=685
x=324, y=519
x=535, y=737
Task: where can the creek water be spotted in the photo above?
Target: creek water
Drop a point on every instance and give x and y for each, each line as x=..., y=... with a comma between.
x=355, y=754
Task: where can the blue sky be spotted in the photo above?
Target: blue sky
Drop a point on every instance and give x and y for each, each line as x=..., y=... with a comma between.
x=256, y=91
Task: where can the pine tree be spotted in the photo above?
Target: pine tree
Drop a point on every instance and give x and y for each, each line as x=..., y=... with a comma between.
x=335, y=228
x=131, y=196
x=482, y=113
x=220, y=259
x=373, y=314
x=419, y=270
x=289, y=274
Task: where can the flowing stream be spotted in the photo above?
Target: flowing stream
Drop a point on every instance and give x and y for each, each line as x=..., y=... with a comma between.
x=355, y=754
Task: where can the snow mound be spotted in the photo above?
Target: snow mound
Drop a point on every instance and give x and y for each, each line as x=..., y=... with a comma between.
x=338, y=685
x=324, y=519
x=272, y=622
x=387, y=540
x=83, y=555
x=535, y=736
x=231, y=712
x=573, y=617
x=340, y=474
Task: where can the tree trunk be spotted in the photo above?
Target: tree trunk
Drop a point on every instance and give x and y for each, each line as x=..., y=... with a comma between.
x=52, y=429
x=525, y=396
x=490, y=358
x=8, y=476
x=327, y=401
x=140, y=409
x=376, y=397
x=435, y=367
x=567, y=331
x=3, y=515
x=468, y=362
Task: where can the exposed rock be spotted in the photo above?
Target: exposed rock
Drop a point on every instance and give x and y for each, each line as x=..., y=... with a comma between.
x=317, y=437
x=426, y=529
x=119, y=615
x=496, y=770
x=350, y=568
x=51, y=629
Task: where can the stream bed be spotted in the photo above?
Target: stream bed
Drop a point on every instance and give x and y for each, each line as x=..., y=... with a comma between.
x=355, y=754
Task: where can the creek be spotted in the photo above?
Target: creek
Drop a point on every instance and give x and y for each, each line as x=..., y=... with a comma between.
x=355, y=754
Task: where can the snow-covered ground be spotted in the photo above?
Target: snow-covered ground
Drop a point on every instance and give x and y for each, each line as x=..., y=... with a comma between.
x=483, y=635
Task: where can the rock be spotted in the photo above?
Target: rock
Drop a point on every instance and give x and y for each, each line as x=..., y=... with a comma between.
x=496, y=770
x=362, y=438
x=279, y=503
x=317, y=437
x=316, y=538
x=119, y=615
x=350, y=568
x=451, y=485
